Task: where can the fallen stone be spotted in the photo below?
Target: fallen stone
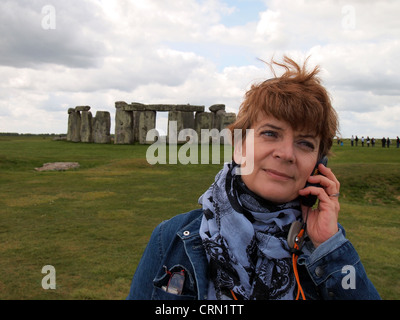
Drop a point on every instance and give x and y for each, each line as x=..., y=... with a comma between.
x=60, y=138
x=58, y=166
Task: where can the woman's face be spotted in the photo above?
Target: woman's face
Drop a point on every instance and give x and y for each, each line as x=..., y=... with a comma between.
x=283, y=159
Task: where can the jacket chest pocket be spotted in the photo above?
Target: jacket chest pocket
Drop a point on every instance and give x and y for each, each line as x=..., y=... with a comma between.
x=175, y=283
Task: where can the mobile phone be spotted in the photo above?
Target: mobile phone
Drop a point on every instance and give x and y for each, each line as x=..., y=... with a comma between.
x=310, y=200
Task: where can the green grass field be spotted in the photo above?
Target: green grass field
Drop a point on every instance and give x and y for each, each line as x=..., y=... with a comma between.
x=92, y=223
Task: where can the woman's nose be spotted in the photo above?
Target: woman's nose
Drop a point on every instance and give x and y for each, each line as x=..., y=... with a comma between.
x=285, y=152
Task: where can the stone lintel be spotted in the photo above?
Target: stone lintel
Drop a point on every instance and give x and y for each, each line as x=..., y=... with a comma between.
x=82, y=108
x=135, y=106
x=217, y=107
x=175, y=107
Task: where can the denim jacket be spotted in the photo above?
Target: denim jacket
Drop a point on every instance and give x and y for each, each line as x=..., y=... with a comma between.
x=332, y=271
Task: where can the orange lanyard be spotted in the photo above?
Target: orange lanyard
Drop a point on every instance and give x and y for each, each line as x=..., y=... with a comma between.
x=294, y=258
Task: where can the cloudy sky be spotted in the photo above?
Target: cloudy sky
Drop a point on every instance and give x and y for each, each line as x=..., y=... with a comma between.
x=56, y=54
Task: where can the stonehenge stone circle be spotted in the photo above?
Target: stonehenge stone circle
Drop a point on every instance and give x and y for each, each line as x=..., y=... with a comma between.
x=134, y=120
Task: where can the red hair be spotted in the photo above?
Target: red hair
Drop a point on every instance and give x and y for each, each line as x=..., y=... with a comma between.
x=297, y=97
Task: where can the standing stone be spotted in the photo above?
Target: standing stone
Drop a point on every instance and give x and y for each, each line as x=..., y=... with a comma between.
x=135, y=121
x=86, y=127
x=176, y=116
x=69, y=129
x=146, y=122
x=185, y=120
x=224, y=120
x=101, y=127
x=218, y=110
x=203, y=120
x=217, y=119
x=74, y=126
x=227, y=119
x=188, y=120
x=123, y=127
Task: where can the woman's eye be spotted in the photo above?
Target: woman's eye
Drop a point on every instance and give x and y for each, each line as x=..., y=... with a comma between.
x=307, y=145
x=269, y=133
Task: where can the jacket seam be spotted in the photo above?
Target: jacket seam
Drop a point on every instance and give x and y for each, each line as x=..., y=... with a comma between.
x=160, y=242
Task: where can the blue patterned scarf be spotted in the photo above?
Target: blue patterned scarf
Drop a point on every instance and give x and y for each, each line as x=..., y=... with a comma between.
x=244, y=237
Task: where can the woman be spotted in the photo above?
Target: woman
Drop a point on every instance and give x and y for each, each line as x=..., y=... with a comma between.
x=236, y=246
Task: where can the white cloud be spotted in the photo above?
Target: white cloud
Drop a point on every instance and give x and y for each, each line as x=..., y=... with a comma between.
x=74, y=42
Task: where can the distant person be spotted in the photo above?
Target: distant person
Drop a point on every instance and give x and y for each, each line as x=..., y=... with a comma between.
x=352, y=141
x=398, y=141
x=362, y=141
x=356, y=141
x=236, y=246
x=368, y=141
x=383, y=142
x=388, y=142
x=373, y=142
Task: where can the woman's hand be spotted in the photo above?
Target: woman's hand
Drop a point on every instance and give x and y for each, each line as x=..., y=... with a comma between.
x=322, y=221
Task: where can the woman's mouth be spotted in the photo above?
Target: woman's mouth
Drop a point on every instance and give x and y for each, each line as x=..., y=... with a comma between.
x=277, y=175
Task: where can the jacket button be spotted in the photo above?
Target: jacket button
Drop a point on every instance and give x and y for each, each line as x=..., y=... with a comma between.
x=186, y=233
x=319, y=271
